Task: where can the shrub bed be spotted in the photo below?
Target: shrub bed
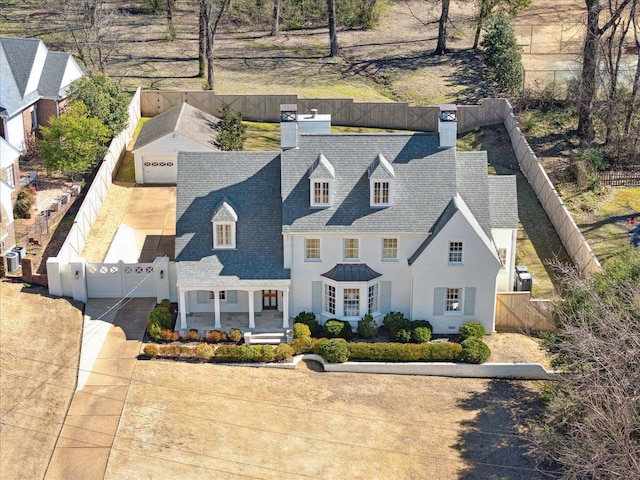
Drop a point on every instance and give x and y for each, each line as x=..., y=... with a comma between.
x=405, y=352
x=472, y=330
x=338, y=329
x=475, y=351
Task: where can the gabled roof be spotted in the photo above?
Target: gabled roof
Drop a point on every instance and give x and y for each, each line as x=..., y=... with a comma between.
x=185, y=119
x=381, y=169
x=456, y=205
x=322, y=169
x=425, y=181
x=224, y=213
x=28, y=72
x=503, y=198
x=351, y=272
x=8, y=153
x=250, y=182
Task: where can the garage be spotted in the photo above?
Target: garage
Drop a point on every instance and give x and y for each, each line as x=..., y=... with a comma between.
x=183, y=128
x=159, y=169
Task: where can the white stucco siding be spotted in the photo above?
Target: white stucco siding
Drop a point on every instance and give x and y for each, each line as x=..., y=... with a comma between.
x=506, y=238
x=305, y=272
x=167, y=148
x=15, y=132
x=199, y=302
x=475, y=277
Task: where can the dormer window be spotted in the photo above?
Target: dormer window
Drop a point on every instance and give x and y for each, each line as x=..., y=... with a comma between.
x=224, y=226
x=321, y=179
x=381, y=178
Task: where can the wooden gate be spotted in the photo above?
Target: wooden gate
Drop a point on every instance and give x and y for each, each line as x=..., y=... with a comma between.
x=517, y=312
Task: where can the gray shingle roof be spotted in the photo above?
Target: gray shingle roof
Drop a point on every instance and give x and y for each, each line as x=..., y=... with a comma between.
x=251, y=183
x=17, y=57
x=503, y=198
x=185, y=119
x=426, y=179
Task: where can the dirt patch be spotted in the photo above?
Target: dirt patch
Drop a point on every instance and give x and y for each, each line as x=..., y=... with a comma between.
x=516, y=348
x=39, y=354
x=181, y=420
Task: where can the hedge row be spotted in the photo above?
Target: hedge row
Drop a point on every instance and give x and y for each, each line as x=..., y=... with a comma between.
x=222, y=353
x=406, y=352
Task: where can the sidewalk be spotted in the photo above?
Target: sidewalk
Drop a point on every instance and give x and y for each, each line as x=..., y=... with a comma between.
x=110, y=346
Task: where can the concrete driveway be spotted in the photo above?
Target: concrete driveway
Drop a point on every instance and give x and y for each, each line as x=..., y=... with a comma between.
x=112, y=335
x=135, y=223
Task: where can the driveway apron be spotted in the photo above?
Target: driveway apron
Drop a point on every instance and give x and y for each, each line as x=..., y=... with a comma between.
x=112, y=335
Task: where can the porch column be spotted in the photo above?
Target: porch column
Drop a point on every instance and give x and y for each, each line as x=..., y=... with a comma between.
x=182, y=308
x=252, y=316
x=216, y=296
x=285, y=308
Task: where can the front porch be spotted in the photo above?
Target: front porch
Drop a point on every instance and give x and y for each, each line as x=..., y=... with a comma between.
x=265, y=322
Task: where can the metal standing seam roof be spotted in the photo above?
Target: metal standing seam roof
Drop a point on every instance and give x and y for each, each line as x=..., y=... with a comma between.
x=199, y=126
x=351, y=272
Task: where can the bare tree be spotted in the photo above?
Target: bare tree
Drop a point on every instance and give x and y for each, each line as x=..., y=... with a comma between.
x=635, y=87
x=275, y=18
x=591, y=422
x=441, y=47
x=590, y=52
x=214, y=11
x=202, y=37
x=333, y=32
x=486, y=8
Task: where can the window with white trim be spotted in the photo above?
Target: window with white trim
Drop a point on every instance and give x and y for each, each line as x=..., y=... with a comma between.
x=381, y=193
x=453, y=301
x=351, y=302
x=320, y=193
x=455, y=252
x=224, y=235
x=11, y=177
x=502, y=255
x=312, y=249
x=34, y=118
x=389, y=248
x=351, y=248
x=222, y=294
x=330, y=299
x=373, y=298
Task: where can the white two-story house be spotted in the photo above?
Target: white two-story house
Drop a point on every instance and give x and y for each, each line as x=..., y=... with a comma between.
x=346, y=225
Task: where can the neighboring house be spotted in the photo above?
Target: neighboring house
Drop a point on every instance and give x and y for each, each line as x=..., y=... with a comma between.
x=182, y=128
x=9, y=188
x=345, y=225
x=33, y=87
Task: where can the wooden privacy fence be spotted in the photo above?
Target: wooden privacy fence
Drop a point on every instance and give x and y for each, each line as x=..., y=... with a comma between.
x=620, y=178
x=344, y=111
x=518, y=312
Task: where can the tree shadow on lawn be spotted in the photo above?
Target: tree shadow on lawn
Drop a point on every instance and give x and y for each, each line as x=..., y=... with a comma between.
x=472, y=75
x=494, y=443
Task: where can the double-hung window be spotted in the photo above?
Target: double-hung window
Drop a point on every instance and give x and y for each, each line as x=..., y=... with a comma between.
x=351, y=302
x=389, y=248
x=381, y=193
x=330, y=299
x=351, y=249
x=455, y=252
x=11, y=178
x=502, y=255
x=321, y=193
x=453, y=300
x=312, y=249
x=224, y=235
x=373, y=298
x=222, y=295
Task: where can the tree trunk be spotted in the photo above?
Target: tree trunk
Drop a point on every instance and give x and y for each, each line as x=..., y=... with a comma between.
x=589, y=69
x=275, y=19
x=169, y=12
x=441, y=47
x=202, y=39
x=333, y=34
x=486, y=7
x=211, y=35
x=635, y=89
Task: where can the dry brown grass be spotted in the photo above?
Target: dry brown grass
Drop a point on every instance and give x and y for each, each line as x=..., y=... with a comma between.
x=39, y=354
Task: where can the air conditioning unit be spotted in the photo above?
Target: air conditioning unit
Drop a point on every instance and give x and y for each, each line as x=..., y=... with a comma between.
x=13, y=261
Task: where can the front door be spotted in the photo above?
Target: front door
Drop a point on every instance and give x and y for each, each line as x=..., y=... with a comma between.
x=269, y=299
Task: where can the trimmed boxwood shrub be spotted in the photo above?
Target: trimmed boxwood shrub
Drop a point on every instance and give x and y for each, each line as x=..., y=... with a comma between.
x=405, y=352
x=165, y=303
x=176, y=351
x=301, y=330
x=191, y=336
x=472, y=330
x=169, y=335
x=150, y=350
x=395, y=321
x=475, y=350
x=263, y=353
x=316, y=345
x=335, y=350
x=234, y=353
x=402, y=336
x=421, y=334
x=214, y=336
x=338, y=329
x=367, y=327
x=283, y=353
x=235, y=335
x=309, y=319
x=301, y=345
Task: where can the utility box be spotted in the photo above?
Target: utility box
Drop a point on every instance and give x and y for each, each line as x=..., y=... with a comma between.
x=21, y=251
x=523, y=281
x=13, y=261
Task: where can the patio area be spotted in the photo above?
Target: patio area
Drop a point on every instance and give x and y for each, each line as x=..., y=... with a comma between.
x=266, y=322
